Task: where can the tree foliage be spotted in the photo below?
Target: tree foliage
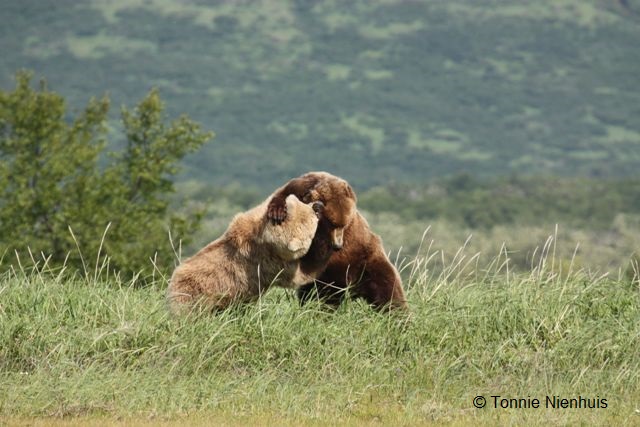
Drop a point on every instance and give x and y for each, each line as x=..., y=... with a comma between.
x=61, y=192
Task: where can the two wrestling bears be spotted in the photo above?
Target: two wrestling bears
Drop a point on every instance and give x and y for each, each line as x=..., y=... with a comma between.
x=309, y=236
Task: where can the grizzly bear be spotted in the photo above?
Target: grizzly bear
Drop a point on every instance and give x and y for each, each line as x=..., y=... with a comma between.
x=252, y=255
x=345, y=254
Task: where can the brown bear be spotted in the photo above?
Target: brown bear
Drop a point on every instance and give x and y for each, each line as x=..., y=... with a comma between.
x=345, y=253
x=252, y=255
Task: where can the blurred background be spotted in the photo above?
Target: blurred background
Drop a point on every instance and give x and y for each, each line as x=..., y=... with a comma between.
x=493, y=118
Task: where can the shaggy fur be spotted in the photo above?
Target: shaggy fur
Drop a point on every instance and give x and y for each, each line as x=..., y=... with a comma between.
x=250, y=257
x=345, y=253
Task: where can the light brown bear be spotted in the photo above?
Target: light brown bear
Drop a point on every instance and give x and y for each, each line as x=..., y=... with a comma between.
x=250, y=257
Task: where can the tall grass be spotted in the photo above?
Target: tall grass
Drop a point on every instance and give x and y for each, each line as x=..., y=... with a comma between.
x=88, y=346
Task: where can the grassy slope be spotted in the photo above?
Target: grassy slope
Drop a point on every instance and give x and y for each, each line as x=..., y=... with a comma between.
x=410, y=90
x=73, y=347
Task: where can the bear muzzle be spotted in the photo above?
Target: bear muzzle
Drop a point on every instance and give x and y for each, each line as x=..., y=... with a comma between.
x=337, y=238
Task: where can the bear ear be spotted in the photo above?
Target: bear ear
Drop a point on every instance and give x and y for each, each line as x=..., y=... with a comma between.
x=349, y=191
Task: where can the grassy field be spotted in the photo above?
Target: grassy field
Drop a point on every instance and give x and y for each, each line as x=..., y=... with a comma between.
x=94, y=350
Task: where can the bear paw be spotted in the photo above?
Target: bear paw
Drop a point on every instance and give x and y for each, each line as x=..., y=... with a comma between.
x=277, y=210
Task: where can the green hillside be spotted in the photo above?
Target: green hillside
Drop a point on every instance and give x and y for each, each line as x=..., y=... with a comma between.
x=375, y=91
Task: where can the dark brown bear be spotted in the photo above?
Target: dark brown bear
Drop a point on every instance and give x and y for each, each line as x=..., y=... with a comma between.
x=345, y=253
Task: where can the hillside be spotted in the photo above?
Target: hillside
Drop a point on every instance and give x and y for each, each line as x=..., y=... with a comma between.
x=376, y=91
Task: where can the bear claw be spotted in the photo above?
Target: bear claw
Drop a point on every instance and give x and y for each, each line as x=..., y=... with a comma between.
x=277, y=212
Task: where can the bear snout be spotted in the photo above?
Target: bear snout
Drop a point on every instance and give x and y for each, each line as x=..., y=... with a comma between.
x=337, y=238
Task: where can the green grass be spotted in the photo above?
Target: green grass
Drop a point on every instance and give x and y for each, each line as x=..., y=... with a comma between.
x=98, y=351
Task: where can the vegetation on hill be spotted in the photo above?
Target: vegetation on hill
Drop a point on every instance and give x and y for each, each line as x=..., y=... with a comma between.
x=376, y=91
x=478, y=204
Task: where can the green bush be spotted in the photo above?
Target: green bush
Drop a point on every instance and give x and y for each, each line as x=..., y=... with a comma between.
x=65, y=193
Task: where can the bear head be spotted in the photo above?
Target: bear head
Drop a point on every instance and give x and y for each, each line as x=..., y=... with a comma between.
x=339, y=208
x=291, y=239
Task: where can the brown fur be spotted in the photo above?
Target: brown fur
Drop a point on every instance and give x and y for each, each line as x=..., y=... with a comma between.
x=345, y=253
x=250, y=257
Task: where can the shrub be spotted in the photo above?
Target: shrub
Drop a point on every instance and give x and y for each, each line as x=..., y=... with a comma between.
x=64, y=192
